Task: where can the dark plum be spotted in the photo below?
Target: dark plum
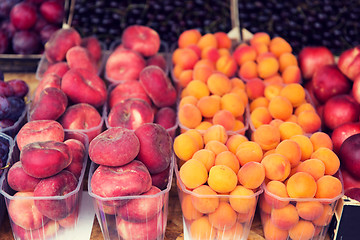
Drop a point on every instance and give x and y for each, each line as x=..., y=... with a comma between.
x=26, y=42
x=17, y=107
x=46, y=32
x=23, y=15
x=6, y=90
x=5, y=123
x=4, y=107
x=8, y=28
x=5, y=7
x=19, y=87
x=52, y=11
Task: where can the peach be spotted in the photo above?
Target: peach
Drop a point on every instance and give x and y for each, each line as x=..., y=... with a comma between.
x=130, y=179
x=58, y=68
x=155, y=147
x=166, y=117
x=60, y=42
x=83, y=86
x=142, y=39
x=71, y=220
x=51, y=104
x=92, y=44
x=130, y=113
x=39, y=130
x=142, y=209
x=84, y=117
x=151, y=229
x=19, y=180
x=79, y=57
x=22, y=211
x=161, y=179
x=158, y=86
x=125, y=90
x=44, y=159
x=57, y=185
x=49, y=230
x=157, y=60
x=124, y=65
x=78, y=153
x=103, y=148
x=49, y=80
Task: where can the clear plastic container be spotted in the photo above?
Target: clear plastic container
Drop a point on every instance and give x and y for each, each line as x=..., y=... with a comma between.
x=10, y=141
x=221, y=225
x=116, y=223
x=14, y=129
x=289, y=218
x=164, y=51
x=45, y=227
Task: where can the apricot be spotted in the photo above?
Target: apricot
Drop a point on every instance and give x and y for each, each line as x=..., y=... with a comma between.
x=255, y=88
x=188, y=37
x=280, y=107
x=215, y=132
x=249, y=151
x=206, y=156
x=329, y=158
x=328, y=187
x=232, y=233
x=219, y=84
x=202, y=229
x=304, y=144
x=309, y=210
x=295, y=93
x=223, y=40
x=251, y=175
x=210, y=53
x=207, y=40
x=289, y=129
x=185, y=146
x=242, y=200
x=224, y=118
x=321, y=139
x=185, y=77
x=325, y=216
x=271, y=232
x=310, y=121
x=287, y=59
x=291, y=74
x=248, y=70
x=229, y=159
x=301, y=185
x=277, y=167
x=303, y=230
x=267, y=67
x=276, y=194
x=272, y=90
x=227, y=65
x=260, y=37
x=285, y=218
x=222, y=179
x=188, y=210
x=224, y=217
x=291, y=150
x=198, y=89
x=234, y=141
x=259, y=102
x=201, y=200
x=193, y=173
x=202, y=72
x=267, y=136
x=313, y=166
x=278, y=46
x=189, y=116
x=208, y=106
x=233, y=103
x=244, y=53
x=260, y=116
x=216, y=146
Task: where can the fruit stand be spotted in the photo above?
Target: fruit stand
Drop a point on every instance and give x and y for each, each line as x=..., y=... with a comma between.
x=181, y=120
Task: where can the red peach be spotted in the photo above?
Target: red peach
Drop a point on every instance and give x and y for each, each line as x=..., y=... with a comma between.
x=19, y=180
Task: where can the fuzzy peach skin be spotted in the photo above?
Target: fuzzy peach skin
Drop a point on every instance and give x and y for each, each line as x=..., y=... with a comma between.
x=78, y=152
x=49, y=80
x=130, y=179
x=57, y=185
x=83, y=86
x=59, y=68
x=45, y=159
x=19, y=180
x=104, y=149
x=39, y=130
x=45, y=232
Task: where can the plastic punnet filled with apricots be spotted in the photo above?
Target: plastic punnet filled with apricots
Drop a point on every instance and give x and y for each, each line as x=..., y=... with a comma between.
x=302, y=182
x=218, y=189
x=268, y=59
x=281, y=105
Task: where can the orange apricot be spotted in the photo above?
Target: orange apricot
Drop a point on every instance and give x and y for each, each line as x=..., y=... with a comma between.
x=229, y=159
x=219, y=84
x=187, y=100
x=249, y=151
x=272, y=90
x=278, y=46
x=287, y=59
x=248, y=70
x=301, y=185
x=205, y=62
x=321, y=139
x=193, y=173
x=188, y=37
x=295, y=93
x=237, y=83
x=251, y=175
x=304, y=144
x=289, y=129
x=189, y=116
x=260, y=37
x=185, y=77
x=233, y=103
x=187, y=208
x=267, y=67
x=260, y=48
x=210, y=53
x=234, y=141
x=275, y=79
x=222, y=179
x=224, y=118
x=309, y=210
x=197, y=136
x=227, y=65
x=204, y=199
x=285, y=218
x=313, y=166
x=303, y=230
x=197, y=89
x=305, y=106
x=223, y=40
x=209, y=105
x=185, y=146
x=207, y=40
x=203, y=125
x=202, y=229
x=232, y=233
x=328, y=187
x=206, y=156
x=185, y=58
x=202, y=73
x=255, y=88
x=216, y=146
x=271, y=232
x=224, y=217
x=260, y=116
x=280, y=107
x=215, y=132
x=244, y=53
x=291, y=74
x=325, y=216
x=329, y=158
x=242, y=200
x=259, y=102
x=239, y=127
x=276, y=194
x=277, y=167
x=310, y=121
x=267, y=136
x=291, y=150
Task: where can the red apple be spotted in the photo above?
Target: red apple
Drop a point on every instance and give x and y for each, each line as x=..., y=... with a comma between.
x=142, y=39
x=328, y=81
x=349, y=62
x=342, y=132
x=348, y=180
x=349, y=155
x=311, y=58
x=340, y=109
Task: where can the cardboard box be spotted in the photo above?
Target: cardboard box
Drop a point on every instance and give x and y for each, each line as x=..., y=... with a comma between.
x=345, y=222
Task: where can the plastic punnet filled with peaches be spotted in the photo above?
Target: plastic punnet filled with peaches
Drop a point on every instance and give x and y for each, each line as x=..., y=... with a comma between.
x=302, y=182
x=218, y=188
x=129, y=181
